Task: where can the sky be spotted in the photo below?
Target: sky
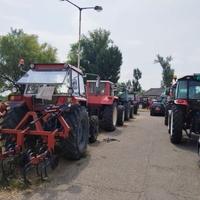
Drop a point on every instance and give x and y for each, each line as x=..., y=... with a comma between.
x=140, y=28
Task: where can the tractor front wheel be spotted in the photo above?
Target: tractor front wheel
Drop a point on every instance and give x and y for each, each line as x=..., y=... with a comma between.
x=94, y=128
x=176, y=125
x=74, y=147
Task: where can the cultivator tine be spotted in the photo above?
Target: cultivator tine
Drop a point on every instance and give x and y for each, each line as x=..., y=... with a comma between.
x=37, y=171
x=44, y=174
x=4, y=180
x=25, y=170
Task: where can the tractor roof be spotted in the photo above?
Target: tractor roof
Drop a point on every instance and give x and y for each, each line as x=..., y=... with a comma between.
x=102, y=81
x=195, y=77
x=54, y=67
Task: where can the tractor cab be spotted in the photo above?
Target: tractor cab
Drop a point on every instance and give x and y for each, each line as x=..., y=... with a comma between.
x=105, y=88
x=101, y=95
x=51, y=84
x=188, y=91
x=122, y=93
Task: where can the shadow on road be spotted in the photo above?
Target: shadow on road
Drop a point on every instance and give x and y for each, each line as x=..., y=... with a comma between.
x=189, y=144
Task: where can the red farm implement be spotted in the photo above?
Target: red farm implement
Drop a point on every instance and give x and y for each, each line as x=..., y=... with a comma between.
x=50, y=114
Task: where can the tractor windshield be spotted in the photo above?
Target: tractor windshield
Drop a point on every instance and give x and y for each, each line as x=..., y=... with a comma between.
x=55, y=82
x=188, y=89
x=181, y=92
x=101, y=89
x=194, y=89
x=43, y=77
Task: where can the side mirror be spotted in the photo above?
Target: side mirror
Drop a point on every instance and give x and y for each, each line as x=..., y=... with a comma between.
x=97, y=82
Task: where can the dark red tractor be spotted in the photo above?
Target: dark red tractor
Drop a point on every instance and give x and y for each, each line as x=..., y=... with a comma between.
x=103, y=103
x=48, y=115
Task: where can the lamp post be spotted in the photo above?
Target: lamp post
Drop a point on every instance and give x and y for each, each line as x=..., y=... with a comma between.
x=97, y=8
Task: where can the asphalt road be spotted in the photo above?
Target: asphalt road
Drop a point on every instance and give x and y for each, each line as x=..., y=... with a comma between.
x=136, y=162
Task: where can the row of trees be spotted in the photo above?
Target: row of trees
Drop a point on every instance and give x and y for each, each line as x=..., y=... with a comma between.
x=99, y=55
x=16, y=45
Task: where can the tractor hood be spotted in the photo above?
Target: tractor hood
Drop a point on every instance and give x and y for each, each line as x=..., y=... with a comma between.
x=101, y=100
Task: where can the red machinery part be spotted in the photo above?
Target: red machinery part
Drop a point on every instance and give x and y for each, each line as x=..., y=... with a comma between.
x=181, y=102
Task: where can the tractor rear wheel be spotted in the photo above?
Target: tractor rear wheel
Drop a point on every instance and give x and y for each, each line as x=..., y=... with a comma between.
x=109, y=120
x=120, y=115
x=94, y=128
x=131, y=111
x=135, y=109
x=74, y=147
x=127, y=111
x=176, y=125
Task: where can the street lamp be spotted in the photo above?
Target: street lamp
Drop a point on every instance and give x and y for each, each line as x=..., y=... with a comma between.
x=97, y=8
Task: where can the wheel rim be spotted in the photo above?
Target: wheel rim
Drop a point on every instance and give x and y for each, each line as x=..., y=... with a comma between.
x=198, y=146
x=171, y=124
x=123, y=116
x=114, y=116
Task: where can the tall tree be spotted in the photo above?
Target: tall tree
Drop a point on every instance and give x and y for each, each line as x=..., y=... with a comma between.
x=168, y=72
x=99, y=55
x=18, y=45
x=137, y=75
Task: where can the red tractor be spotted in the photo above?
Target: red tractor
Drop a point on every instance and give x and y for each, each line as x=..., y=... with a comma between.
x=103, y=103
x=50, y=113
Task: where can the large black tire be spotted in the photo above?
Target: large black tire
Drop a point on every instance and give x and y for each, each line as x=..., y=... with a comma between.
x=109, y=120
x=152, y=113
x=120, y=115
x=131, y=111
x=166, y=119
x=169, y=121
x=166, y=114
x=13, y=116
x=127, y=111
x=176, y=125
x=94, y=128
x=135, y=109
x=74, y=147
